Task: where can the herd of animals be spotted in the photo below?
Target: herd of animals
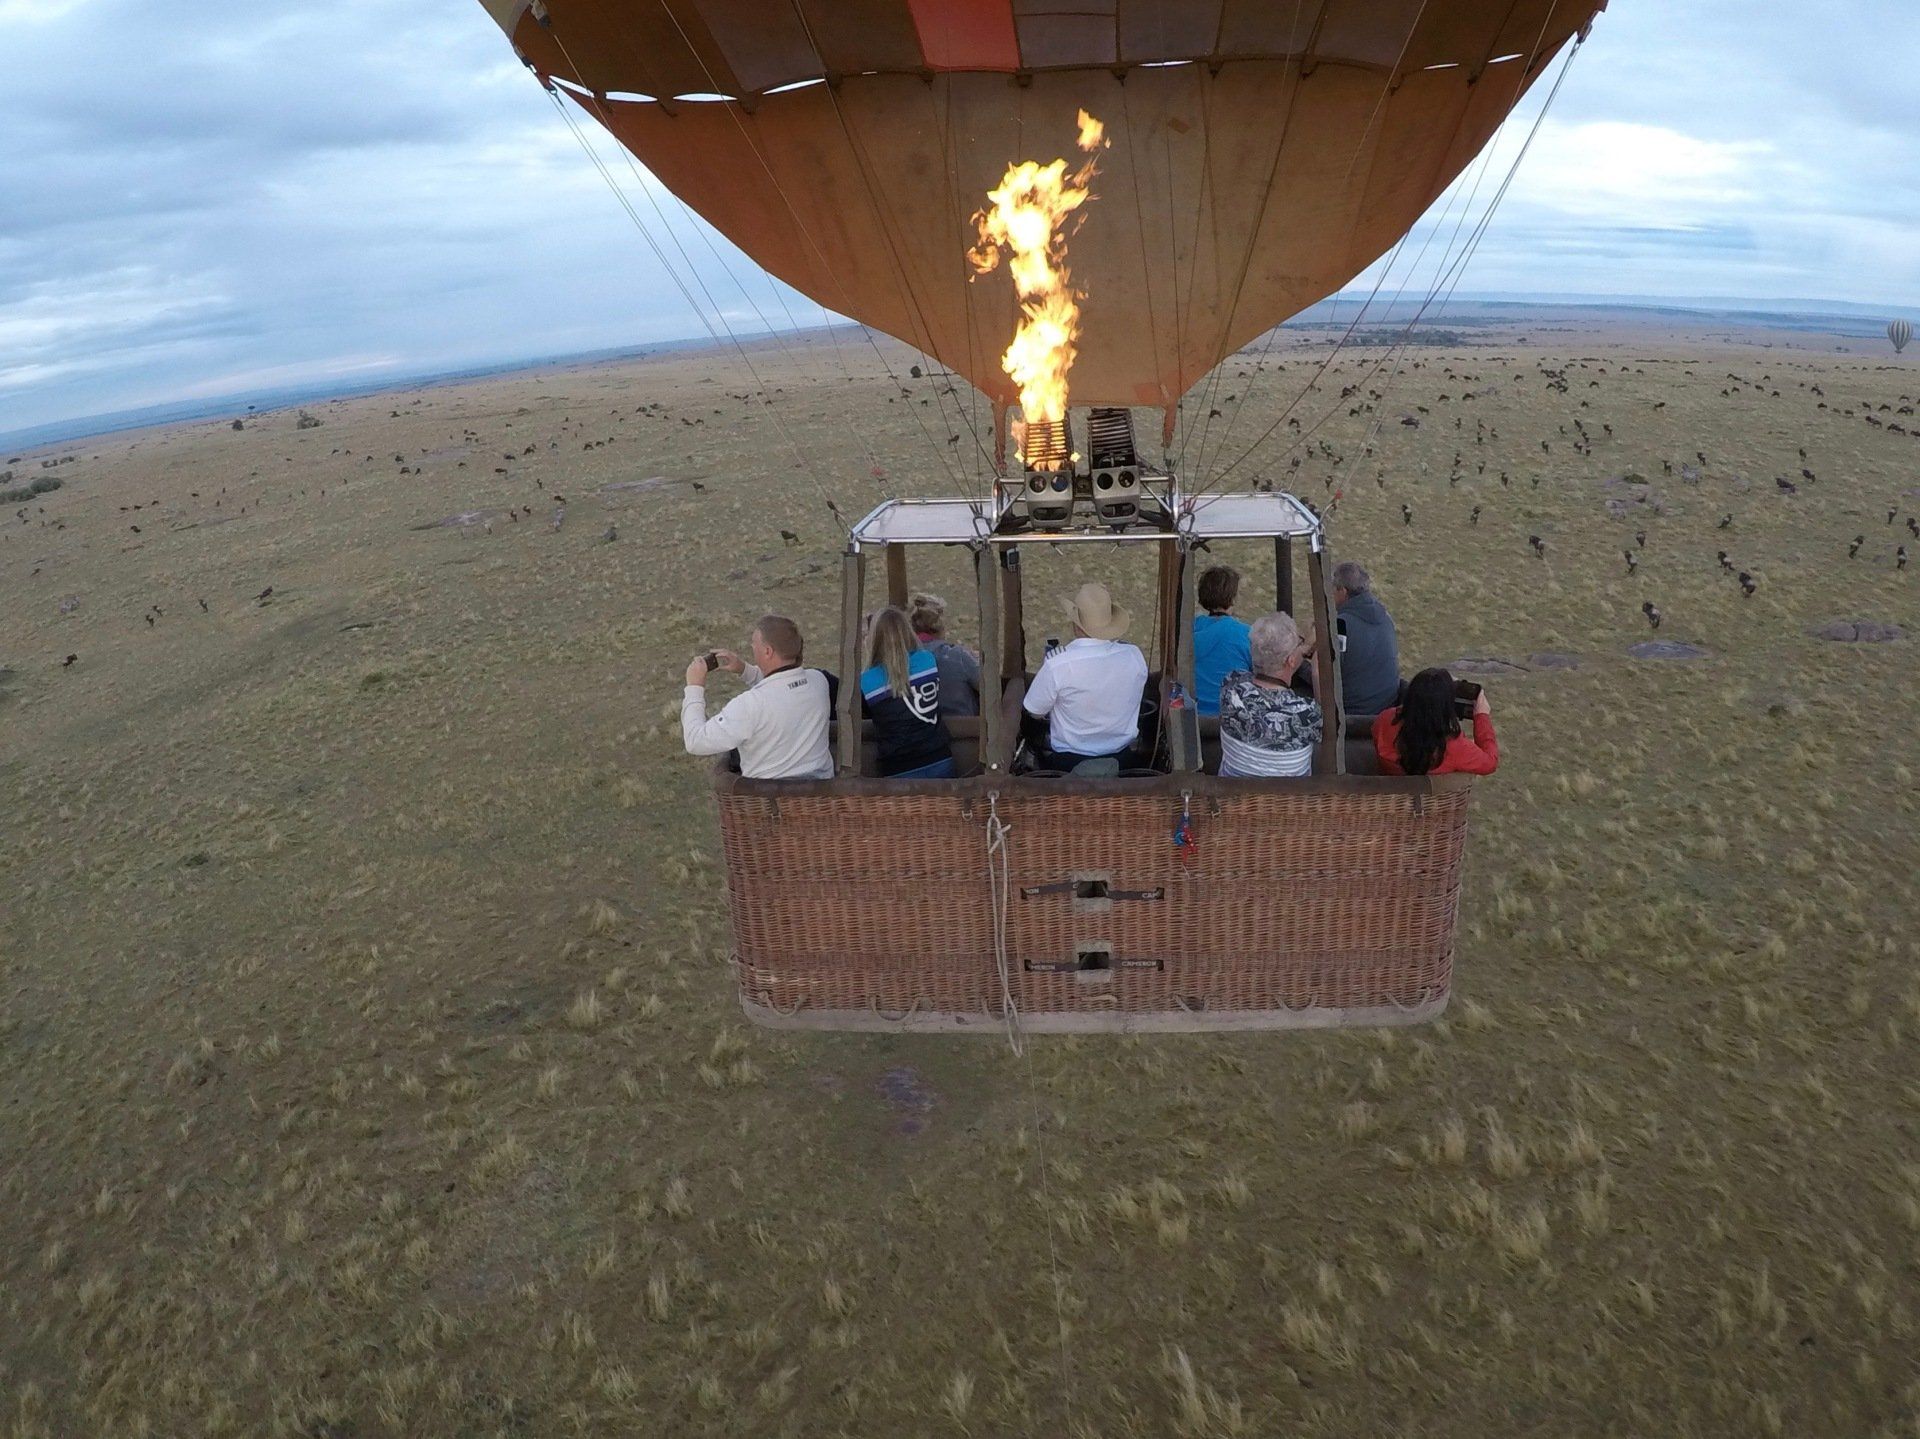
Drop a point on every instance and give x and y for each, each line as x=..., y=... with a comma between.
x=1303, y=450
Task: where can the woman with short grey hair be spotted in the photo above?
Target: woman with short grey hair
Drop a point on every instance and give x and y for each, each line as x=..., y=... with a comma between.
x=1266, y=728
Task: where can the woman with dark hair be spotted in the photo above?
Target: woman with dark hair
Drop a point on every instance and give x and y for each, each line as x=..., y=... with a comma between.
x=1219, y=638
x=1422, y=734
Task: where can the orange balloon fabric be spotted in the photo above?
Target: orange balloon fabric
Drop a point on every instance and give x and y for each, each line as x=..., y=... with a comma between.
x=1263, y=152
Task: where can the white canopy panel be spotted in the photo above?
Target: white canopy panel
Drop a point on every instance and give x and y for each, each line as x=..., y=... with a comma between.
x=925, y=522
x=1256, y=514
x=1253, y=515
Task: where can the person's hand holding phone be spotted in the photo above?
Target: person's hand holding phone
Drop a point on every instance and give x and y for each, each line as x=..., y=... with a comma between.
x=728, y=661
x=1480, y=705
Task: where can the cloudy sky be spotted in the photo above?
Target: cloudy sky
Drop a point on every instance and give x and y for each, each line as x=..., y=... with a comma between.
x=197, y=203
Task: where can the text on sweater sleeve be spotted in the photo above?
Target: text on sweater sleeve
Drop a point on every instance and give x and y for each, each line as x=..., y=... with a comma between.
x=723, y=732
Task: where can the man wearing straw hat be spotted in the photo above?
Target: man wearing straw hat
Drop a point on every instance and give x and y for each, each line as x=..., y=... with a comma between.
x=1089, y=691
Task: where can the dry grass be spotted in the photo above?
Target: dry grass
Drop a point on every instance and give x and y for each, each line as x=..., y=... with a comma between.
x=369, y=1064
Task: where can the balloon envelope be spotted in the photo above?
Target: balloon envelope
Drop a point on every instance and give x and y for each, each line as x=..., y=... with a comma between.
x=1263, y=151
x=1899, y=331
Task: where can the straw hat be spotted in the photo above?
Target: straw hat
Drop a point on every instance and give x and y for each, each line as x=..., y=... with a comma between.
x=1094, y=611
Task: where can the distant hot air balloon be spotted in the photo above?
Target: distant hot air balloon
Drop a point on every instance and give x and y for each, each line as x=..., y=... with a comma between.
x=1260, y=154
x=1900, y=331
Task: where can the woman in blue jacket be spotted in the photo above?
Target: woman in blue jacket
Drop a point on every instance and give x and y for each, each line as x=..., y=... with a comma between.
x=900, y=689
x=1219, y=640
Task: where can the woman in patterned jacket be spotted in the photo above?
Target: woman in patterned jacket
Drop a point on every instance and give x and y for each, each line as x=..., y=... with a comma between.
x=1266, y=728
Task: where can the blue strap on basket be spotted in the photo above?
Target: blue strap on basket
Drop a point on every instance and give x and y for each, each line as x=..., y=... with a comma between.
x=1183, y=838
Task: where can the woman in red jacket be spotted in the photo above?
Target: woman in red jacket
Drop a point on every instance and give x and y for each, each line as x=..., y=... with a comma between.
x=1422, y=735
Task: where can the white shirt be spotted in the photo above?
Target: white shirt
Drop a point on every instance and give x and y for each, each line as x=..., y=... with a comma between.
x=779, y=725
x=1089, y=694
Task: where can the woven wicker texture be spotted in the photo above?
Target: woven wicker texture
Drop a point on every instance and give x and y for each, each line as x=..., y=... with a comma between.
x=855, y=898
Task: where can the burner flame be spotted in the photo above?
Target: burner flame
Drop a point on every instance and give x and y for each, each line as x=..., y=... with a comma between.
x=1025, y=223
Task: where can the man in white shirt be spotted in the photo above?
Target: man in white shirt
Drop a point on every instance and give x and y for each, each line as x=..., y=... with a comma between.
x=1089, y=692
x=780, y=724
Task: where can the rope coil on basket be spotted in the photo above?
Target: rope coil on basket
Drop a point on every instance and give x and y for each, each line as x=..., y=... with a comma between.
x=799, y=1003
x=1426, y=998
x=999, y=889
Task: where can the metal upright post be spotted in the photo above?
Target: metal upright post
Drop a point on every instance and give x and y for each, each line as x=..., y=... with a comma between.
x=1013, y=622
x=897, y=576
x=1167, y=603
x=995, y=747
x=1183, y=747
x=853, y=575
x=1332, y=758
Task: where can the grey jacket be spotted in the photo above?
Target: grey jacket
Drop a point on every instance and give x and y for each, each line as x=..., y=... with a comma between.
x=959, y=678
x=1370, y=667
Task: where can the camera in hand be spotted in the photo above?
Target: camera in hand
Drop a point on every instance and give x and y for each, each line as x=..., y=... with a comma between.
x=711, y=659
x=1466, y=694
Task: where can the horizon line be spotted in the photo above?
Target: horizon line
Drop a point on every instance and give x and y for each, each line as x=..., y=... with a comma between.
x=271, y=400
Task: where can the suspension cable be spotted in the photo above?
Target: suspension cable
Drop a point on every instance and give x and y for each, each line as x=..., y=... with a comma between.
x=659, y=254
x=1477, y=235
x=1212, y=384
x=1360, y=145
x=1450, y=274
x=944, y=122
x=792, y=212
x=789, y=351
x=902, y=278
x=1533, y=54
x=1372, y=430
x=1140, y=225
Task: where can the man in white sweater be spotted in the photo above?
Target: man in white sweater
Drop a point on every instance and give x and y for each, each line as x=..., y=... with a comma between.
x=780, y=724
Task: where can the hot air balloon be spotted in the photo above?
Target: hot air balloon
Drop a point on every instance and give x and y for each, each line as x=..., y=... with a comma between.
x=1107, y=198
x=1899, y=332
x=1263, y=151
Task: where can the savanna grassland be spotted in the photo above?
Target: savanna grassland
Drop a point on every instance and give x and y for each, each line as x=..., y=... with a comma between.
x=368, y=1058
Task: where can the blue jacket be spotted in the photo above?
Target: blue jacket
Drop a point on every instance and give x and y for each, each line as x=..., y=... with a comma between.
x=907, y=727
x=1370, y=665
x=1219, y=648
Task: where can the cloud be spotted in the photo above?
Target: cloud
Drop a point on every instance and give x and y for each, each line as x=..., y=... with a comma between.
x=1651, y=176
x=83, y=324
x=37, y=12
x=280, y=190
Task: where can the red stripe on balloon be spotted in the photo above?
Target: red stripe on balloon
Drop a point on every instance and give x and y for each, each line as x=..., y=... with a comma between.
x=967, y=34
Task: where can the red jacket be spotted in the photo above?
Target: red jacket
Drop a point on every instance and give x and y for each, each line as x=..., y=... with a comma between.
x=1477, y=755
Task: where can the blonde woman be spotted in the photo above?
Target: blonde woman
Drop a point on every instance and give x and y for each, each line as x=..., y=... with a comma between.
x=900, y=688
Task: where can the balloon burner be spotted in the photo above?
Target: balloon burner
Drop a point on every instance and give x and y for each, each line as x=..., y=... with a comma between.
x=1053, y=491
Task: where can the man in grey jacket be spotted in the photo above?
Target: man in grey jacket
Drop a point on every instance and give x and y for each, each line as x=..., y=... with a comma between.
x=1370, y=663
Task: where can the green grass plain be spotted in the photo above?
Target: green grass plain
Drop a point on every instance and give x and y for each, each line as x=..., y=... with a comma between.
x=369, y=1063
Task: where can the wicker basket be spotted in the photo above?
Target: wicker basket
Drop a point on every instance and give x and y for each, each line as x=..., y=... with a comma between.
x=867, y=904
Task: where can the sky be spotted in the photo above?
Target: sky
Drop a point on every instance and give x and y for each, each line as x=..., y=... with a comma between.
x=195, y=203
